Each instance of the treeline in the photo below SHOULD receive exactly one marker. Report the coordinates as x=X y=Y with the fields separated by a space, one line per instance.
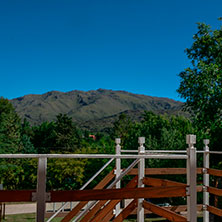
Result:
x=63 y=136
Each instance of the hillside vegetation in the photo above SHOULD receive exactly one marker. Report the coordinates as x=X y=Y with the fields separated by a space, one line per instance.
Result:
x=93 y=110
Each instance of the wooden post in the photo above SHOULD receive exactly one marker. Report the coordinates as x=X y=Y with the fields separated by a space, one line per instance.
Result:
x=41 y=189
x=206 y=164
x=141 y=173
x=118 y=172
x=191 y=179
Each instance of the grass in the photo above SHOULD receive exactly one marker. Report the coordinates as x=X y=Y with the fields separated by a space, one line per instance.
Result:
x=25 y=218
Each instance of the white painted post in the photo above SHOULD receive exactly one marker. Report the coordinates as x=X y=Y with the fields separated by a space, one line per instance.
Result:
x=41 y=189
x=191 y=179
x=141 y=173
x=54 y=207
x=206 y=165
x=118 y=172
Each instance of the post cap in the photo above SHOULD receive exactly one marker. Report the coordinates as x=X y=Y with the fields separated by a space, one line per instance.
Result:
x=141 y=140
x=206 y=142
x=191 y=139
x=118 y=140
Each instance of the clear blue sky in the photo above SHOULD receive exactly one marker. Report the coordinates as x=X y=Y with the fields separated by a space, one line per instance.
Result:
x=132 y=45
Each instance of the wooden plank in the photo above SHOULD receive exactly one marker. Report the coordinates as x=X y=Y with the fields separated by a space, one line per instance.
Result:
x=93 y=211
x=105 y=211
x=214 y=210
x=170 y=215
x=164 y=171
x=110 y=206
x=155 y=182
x=126 y=212
x=115 y=194
x=16 y=195
x=108 y=217
x=178 y=209
x=80 y=205
x=215 y=191
x=98 y=206
x=215 y=172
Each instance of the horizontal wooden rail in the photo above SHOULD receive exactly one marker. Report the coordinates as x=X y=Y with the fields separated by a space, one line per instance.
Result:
x=214 y=210
x=164 y=171
x=116 y=194
x=155 y=182
x=215 y=191
x=163 y=212
x=215 y=172
x=88 y=195
x=16 y=195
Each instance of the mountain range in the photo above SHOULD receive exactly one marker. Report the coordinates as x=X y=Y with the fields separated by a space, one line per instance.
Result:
x=94 y=109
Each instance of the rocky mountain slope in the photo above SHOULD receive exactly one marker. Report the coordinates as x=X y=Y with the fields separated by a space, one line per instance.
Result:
x=90 y=107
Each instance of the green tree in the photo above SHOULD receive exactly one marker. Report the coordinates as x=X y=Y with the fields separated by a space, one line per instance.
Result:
x=67 y=136
x=201 y=83
x=10 y=128
x=43 y=137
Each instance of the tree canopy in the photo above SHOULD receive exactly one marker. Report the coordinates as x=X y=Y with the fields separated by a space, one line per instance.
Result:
x=201 y=83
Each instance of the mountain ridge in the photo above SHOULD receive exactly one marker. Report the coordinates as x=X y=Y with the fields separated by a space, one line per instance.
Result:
x=90 y=105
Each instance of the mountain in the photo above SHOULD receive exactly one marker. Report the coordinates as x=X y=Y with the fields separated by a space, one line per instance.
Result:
x=93 y=107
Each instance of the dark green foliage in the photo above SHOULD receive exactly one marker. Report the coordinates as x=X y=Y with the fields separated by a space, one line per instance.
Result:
x=201 y=83
x=62 y=136
x=67 y=137
x=10 y=128
x=65 y=174
x=44 y=137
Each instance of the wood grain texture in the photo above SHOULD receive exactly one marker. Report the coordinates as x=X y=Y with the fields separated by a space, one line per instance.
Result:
x=214 y=210
x=214 y=172
x=126 y=212
x=215 y=191
x=155 y=182
x=16 y=195
x=163 y=212
x=104 y=214
x=116 y=194
x=164 y=171
x=80 y=205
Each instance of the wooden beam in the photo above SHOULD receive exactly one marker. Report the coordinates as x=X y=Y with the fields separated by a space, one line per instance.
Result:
x=180 y=208
x=105 y=212
x=214 y=210
x=99 y=194
x=93 y=211
x=215 y=191
x=126 y=212
x=164 y=171
x=97 y=207
x=108 y=217
x=170 y=215
x=155 y=182
x=116 y=194
x=16 y=195
x=214 y=172
x=80 y=205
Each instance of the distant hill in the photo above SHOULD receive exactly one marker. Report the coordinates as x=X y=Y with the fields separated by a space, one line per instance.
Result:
x=91 y=109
